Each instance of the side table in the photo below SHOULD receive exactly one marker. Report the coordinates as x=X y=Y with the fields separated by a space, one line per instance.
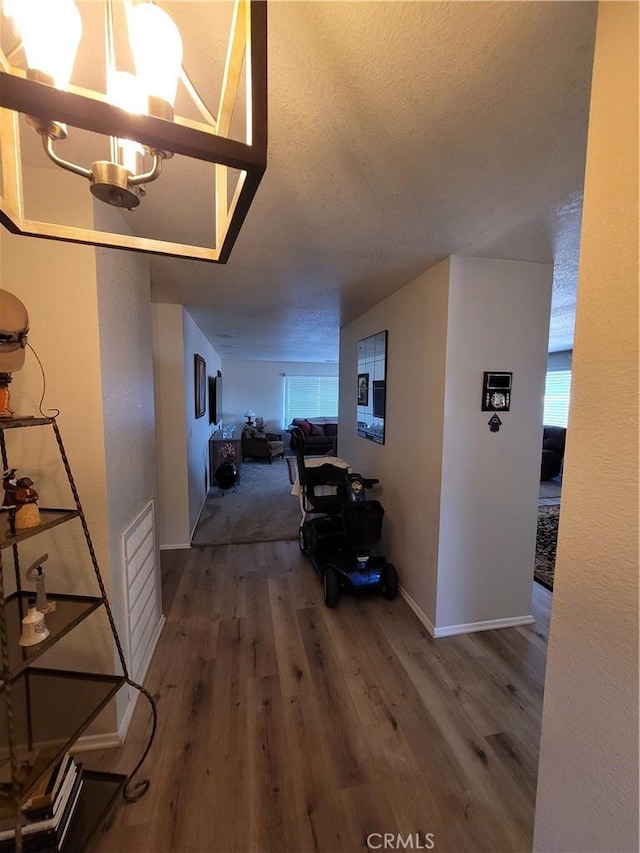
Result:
x=216 y=443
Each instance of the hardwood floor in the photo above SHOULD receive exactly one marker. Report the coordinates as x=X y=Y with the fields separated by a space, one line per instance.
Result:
x=288 y=727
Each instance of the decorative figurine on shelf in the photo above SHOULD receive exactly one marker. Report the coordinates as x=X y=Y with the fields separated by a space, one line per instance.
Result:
x=27 y=513
x=5 y=397
x=10 y=487
x=35 y=574
x=14 y=327
x=34 y=630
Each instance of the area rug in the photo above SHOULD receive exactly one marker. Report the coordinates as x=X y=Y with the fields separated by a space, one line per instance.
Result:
x=546 y=543
x=261 y=510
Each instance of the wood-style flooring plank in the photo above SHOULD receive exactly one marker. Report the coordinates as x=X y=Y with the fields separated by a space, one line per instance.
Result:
x=343 y=735
x=449 y=756
x=318 y=811
x=269 y=784
x=285 y=727
x=293 y=666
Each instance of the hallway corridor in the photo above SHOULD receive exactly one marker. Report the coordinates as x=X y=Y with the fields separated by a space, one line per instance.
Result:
x=288 y=727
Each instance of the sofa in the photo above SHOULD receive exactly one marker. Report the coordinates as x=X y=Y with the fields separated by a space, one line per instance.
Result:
x=553 y=441
x=318 y=436
x=261 y=445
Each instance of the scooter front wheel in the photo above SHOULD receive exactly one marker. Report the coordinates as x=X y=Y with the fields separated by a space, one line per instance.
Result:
x=389 y=582
x=331 y=586
x=302 y=540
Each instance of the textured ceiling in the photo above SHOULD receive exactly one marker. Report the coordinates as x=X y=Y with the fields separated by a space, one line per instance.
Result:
x=399 y=133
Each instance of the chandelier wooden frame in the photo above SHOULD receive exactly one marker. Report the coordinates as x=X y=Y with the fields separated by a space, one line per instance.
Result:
x=197 y=140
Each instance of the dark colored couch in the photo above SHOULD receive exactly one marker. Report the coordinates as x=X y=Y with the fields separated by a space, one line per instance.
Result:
x=553 y=440
x=316 y=438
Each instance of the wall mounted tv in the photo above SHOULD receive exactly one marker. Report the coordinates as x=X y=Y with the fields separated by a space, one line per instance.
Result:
x=379 y=397
x=215 y=398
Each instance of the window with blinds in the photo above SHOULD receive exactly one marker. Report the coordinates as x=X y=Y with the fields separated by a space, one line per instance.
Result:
x=557 y=393
x=310 y=397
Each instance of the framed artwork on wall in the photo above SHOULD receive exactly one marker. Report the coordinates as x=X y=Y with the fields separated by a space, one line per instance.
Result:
x=372 y=386
x=200 y=372
x=363 y=389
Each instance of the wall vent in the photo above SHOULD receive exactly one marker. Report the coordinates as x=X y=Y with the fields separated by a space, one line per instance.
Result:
x=139 y=550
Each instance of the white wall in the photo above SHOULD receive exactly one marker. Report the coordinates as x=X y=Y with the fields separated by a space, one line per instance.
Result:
x=182 y=438
x=57 y=283
x=124 y=321
x=588 y=775
x=460 y=501
x=259 y=385
x=171 y=429
x=198 y=429
x=498 y=320
x=409 y=463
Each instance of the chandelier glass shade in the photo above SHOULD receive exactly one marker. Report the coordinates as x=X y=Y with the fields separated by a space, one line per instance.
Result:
x=135 y=111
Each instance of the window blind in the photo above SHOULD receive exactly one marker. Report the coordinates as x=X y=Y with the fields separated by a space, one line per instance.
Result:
x=310 y=397
x=557 y=393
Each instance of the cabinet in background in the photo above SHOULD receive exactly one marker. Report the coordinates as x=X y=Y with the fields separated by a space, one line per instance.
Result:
x=216 y=443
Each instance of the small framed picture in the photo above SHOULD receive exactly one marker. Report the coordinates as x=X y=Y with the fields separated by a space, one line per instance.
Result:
x=363 y=389
x=200 y=371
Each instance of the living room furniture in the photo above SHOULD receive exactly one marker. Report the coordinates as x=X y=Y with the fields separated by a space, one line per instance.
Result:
x=217 y=445
x=553 y=441
x=316 y=438
x=258 y=445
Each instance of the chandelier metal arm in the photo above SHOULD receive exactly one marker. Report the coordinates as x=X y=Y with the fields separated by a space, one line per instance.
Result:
x=197 y=100
x=33 y=98
x=47 y=144
x=151 y=175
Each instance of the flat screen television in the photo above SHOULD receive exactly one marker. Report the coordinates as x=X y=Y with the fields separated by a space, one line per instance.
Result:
x=215 y=399
x=379 y=398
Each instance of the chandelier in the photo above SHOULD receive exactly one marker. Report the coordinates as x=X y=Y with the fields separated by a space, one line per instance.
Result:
x=135 y=111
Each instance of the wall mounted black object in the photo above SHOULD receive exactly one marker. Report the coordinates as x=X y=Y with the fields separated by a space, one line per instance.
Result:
x=496 y=391
x=494 y=423
x=215 y=398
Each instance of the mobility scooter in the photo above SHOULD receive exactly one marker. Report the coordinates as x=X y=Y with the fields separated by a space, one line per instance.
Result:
x=339 y=530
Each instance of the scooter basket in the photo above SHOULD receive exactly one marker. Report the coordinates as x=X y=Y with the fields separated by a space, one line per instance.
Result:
x=362 y=523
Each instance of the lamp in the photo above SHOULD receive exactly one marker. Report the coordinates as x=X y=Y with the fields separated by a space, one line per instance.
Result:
x=136 y=111
x=249 y=415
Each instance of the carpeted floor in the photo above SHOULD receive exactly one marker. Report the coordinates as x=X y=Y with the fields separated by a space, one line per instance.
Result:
x=262 y=510
x=550 y=492
x=546 y=543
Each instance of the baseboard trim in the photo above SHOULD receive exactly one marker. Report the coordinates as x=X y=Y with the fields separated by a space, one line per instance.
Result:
x=85 y=743
x=184 y=546
x=489 y=625
x=91 y=743
x=466 y=628
x=195 y=524
x=422 y=616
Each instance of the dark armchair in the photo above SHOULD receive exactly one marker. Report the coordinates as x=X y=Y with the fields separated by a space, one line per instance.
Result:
x=553 y=439
x=256 y=445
